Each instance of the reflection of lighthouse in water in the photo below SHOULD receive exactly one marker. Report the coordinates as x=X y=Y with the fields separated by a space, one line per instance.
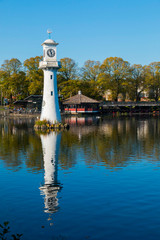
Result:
x=50 y=146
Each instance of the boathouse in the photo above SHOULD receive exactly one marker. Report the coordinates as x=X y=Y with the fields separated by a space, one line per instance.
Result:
x=30 y=102
x=80 y=104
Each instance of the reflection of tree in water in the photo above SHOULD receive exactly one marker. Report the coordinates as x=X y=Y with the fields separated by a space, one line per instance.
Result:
x=116 y=142
x=68 y=149
x=18 y=142
x=81 y=128
x=113 y=142
x=148 y=134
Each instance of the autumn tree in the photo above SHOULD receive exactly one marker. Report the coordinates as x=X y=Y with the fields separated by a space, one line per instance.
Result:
x=154 y=80
x=4 y=83
x=71 y=88
x=34 y=75
x=115 y=72
x=67 y=77
x=136 y=83
x=19 y=84
x=68 y=70
x=89 y=75
x=12 y=79
x=90 y=71
x=91 y=89
x=11 y=66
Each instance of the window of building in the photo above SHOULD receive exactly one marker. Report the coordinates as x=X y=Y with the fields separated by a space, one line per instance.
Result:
x=50 y=76
x=51 y=93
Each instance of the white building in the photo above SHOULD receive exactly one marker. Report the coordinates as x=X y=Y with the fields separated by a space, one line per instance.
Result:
x=50 y=65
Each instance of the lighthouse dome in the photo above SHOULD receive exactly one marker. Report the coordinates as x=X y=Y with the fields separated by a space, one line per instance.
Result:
x=50 y=42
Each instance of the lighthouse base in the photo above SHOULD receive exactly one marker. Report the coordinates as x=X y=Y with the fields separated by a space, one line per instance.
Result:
x=45 y=125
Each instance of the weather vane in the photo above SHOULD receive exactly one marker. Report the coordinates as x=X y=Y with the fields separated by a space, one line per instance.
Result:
x=49 y=33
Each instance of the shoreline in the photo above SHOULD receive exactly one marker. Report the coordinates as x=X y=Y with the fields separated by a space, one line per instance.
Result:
x=5 y=114
x=27 y=115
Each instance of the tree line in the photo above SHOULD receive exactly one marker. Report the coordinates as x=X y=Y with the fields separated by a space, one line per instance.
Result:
x=114 y=76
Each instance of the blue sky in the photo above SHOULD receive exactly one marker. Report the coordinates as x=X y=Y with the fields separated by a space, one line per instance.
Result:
x=85 y=29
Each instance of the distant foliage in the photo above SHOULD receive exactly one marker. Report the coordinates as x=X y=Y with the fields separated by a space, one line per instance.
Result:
x=94 y=79
x=34 y=75
x=5 y=233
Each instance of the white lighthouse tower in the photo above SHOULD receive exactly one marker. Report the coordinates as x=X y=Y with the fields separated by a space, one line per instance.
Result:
x=50 y=65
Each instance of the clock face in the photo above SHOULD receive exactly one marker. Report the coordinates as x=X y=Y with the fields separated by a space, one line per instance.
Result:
x=50 y=52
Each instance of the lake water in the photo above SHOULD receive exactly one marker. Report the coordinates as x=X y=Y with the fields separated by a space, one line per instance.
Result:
x=99 y=180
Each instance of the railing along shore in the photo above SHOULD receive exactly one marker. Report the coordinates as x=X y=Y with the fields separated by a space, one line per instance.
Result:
x=132 y=104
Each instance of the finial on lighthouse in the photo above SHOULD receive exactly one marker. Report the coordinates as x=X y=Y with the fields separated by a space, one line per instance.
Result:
x=49 y=33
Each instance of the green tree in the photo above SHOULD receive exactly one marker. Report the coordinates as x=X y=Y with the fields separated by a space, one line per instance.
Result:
x=70 y=88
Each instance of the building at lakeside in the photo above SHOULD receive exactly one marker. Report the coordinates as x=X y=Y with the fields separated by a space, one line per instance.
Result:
x=32 y=102
x=80 y=104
